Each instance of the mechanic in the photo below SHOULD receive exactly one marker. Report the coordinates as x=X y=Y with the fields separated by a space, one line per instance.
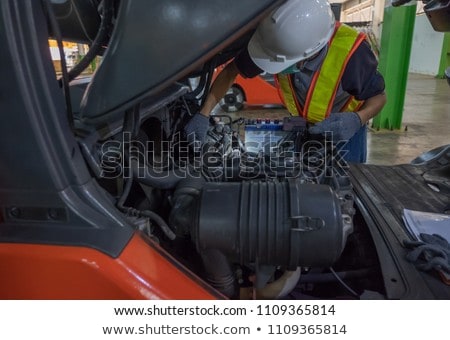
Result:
x=326 y=72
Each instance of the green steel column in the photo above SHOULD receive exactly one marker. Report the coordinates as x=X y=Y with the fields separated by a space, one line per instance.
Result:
x=445 y=56
x=395 y=50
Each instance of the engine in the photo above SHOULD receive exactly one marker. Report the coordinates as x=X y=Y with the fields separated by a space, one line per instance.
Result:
x=251 y=210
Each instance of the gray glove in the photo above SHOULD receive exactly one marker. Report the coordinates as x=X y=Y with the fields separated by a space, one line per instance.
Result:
x=431 y=253
x=343 y=125
x=197 y=128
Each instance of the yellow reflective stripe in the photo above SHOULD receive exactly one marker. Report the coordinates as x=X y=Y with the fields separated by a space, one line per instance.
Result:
x=287 y=93
x=353 y=105
x=330 y=73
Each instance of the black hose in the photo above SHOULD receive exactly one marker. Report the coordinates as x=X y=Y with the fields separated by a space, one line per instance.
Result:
x=218 y=272
x=97 y=45
x=125 y=193
x=160 y=222
x=131 y=125
x=147 y=213
x=346 y=286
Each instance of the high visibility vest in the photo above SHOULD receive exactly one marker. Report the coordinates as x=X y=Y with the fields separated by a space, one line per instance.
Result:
x=325 y=81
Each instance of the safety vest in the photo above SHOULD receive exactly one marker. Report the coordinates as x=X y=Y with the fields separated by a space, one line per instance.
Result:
x=325 y=81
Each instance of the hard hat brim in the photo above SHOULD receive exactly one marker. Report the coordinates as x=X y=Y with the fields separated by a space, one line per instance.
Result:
x=263 y=60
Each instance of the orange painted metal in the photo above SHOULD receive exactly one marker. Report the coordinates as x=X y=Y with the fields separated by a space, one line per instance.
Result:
x=258 y=91
x=142 y=271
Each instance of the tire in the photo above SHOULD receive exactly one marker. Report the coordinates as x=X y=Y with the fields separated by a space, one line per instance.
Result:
x=233 y=100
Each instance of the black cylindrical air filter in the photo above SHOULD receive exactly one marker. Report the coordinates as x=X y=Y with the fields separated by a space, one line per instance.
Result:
x=286 y=223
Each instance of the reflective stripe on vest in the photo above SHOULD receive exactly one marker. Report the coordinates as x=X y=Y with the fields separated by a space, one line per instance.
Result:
x=287 y=94
x=352 y=105
x=325 y=82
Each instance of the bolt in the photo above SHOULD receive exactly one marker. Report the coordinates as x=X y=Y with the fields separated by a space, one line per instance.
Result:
x=348 y=197
x=52 y=213
x=14 y=212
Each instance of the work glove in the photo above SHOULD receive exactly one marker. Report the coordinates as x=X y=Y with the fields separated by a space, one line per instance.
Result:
x=196 y=128
x=343 y=125
x=432 y=252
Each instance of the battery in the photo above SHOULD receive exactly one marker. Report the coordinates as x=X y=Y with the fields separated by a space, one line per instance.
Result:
x=263 y=135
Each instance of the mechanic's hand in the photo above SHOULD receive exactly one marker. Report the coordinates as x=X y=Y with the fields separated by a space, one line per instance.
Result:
x=197 y=128
x=343 y=125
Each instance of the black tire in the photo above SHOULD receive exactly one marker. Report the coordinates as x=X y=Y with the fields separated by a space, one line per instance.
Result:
x=233 y=100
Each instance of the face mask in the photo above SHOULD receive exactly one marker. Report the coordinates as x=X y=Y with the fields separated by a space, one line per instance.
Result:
x=291 y=69
x=295 y=68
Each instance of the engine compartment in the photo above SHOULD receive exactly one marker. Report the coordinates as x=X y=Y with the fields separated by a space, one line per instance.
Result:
x=267 y=218
x=268 y=213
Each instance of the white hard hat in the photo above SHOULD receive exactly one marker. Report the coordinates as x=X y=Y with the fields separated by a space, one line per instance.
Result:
x=295 y=31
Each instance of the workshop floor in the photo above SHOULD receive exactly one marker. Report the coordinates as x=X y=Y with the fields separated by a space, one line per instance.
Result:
x=426 y=122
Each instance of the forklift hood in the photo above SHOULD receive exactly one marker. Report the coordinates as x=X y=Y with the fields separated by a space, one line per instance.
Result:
x=155 y=43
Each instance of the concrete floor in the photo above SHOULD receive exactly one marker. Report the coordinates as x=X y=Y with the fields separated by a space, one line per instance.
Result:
x=426 y=122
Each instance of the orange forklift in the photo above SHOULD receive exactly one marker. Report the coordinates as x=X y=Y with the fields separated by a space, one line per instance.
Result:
x=102 y=197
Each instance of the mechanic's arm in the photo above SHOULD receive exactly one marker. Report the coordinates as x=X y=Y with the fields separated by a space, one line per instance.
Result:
x=371 y=107
x=198 y=125
x=220 y=87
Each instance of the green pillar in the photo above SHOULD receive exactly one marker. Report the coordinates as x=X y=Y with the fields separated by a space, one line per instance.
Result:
x=395 y=50
x=445 y=56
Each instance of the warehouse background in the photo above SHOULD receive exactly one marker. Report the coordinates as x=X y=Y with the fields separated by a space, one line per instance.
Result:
x=430 y=49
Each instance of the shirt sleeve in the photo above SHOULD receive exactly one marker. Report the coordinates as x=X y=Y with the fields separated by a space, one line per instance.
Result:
x=245 y=65
x=361 y=77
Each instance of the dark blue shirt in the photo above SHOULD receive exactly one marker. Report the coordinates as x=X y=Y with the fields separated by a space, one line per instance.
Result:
x=360 y=78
